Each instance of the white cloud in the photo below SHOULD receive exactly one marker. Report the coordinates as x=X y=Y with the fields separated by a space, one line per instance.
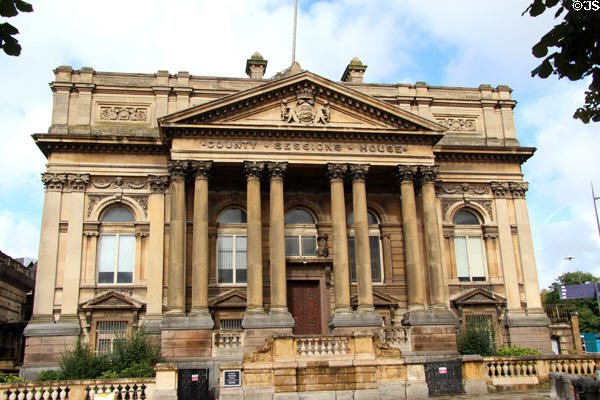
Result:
x=18 y=238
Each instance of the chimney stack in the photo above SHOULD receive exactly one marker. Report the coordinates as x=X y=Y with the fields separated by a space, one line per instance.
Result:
x=354 y=71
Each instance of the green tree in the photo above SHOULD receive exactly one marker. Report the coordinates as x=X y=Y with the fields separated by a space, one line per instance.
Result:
x=574 y=45
x=10 y=8
x=589 y=318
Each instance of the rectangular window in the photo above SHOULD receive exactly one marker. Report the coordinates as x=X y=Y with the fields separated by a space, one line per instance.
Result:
x=375 y=250
x=116 y=258
x=231 y=259
x=470 y=260
x=106 y=334
x=230 y=324
x=296 y=246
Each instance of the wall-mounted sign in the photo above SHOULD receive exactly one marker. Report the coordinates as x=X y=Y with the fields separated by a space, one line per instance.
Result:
x=232 y=377
x=194 y=377
x=443 y=370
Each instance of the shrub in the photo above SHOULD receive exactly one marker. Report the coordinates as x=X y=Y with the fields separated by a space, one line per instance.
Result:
x=474 y=340
x=132 y=356
x=11 y=378
x=49 y=375
x=509 y=351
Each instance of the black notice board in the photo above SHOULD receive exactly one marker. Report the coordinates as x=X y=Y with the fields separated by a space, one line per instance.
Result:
x=232 y=377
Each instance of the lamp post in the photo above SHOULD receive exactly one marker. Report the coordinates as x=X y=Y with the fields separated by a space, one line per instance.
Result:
x=595 y=208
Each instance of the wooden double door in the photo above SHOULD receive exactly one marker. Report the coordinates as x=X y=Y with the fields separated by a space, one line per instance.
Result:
x=304 y=302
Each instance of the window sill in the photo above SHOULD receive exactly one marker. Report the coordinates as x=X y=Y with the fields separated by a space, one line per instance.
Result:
x=307 y=259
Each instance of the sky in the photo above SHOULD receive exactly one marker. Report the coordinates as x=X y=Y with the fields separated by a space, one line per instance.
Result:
x=453 y=43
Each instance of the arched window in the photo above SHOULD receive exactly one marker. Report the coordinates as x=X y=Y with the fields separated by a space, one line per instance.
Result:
x=116 y=246
x=231 y=246
x=374 y=245
x=300 y=234
x=468 y=247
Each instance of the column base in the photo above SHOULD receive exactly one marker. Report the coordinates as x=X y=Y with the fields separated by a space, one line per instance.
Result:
x=37 y=329
x=355 y=319
x=430 y=317
x=262 y=320
x=182 y=322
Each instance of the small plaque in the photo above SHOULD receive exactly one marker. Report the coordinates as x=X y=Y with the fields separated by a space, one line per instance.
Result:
x=232 y=377
x=194 y=377
x=443 y=370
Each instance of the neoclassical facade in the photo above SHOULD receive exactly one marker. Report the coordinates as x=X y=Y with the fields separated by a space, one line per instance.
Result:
x=218 y=212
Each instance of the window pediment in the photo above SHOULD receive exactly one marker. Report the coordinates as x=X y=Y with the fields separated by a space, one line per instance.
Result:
x=111 y=300
x=478 y=296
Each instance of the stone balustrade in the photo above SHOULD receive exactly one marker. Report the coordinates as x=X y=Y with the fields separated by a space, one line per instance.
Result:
x=575 y=366
x=124 y=389
x=510 y=368
x=227 y=339
x=323 y=346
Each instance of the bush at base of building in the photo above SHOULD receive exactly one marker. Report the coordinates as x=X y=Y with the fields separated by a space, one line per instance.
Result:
x=475 y=341
x=131 y=357
x=11 y=378
x=510 y=351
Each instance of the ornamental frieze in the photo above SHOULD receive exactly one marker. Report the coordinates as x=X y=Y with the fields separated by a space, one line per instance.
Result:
x=463 y=188
x=120 y=183
x=458 y=124
x=123 y=113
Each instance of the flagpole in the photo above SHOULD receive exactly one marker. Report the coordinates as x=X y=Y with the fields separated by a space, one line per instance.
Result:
x=295 y=22
x=595 y=207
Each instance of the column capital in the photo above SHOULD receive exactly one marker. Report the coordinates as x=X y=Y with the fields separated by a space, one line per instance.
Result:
x=358 y=172
x=201 y=169
x=78 y=182
x=277 y=170
x=254 y=169
x=177 y=168
x=54 y=182
x=429 y=173
x=158 y=183
x=406 y=173
x=499 y=189
x=336 y=172
x=518 y=189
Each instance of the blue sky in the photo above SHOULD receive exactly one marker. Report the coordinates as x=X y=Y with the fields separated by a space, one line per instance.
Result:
x=464 y=43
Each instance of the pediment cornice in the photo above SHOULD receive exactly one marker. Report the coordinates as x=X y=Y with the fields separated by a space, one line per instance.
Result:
x=304 y=102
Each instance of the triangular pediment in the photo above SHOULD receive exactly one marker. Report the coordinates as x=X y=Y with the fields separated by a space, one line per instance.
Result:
x=303 y=101
x=232 y=299
x=379 y=299
x=111 y=300
x=478 y=296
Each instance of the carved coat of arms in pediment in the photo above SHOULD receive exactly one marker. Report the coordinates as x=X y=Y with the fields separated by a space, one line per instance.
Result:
x=305 y=110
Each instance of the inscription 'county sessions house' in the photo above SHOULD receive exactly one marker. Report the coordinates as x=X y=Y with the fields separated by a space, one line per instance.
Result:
x=331 y=147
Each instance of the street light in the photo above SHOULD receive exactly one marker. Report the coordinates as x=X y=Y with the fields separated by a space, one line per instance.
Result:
x=595 y=207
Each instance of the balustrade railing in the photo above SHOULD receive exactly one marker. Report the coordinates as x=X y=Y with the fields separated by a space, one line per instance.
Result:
x=510 y=368
x=323 y=346
x=124 y=389
x=227 y=340
x=575 y=366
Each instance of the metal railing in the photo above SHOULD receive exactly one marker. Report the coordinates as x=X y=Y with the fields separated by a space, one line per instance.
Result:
x=559 y=313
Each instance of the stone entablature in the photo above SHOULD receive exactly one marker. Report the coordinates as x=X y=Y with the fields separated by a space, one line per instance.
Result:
x=469 y=113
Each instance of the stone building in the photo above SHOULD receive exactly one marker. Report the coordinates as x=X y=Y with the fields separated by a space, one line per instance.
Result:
x=199 y=206
x=16 y=301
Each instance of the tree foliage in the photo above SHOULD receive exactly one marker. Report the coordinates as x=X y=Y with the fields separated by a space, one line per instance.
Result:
x=589 y=318
x=10 y=8
x=571 y=48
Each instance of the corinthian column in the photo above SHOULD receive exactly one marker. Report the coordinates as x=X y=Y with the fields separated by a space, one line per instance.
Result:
x=254 y=308
x=412 y=258
x=358 y=174
x=76 y=183
x=43 y=306
x=280 y=315
x=200 y=253
x=432 y=238
x=176 y=270
x=530 y=276
x=341 y=273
